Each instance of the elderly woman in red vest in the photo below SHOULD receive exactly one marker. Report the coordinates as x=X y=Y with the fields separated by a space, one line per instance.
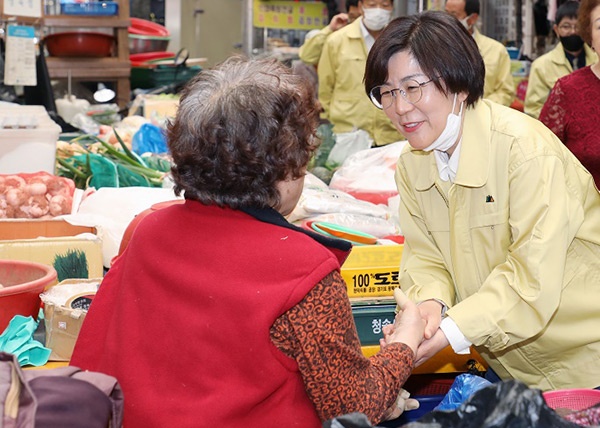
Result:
x=221 y=313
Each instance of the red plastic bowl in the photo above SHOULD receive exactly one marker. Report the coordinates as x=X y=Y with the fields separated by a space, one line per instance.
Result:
x=572 y=399
x=150 y=56
x=79 y=44
x=143 y=27
x=22 y=282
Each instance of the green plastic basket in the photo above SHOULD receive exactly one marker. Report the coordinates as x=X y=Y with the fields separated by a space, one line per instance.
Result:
x=161 y=75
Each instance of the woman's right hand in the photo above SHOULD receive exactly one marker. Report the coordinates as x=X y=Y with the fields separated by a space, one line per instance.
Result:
x=409 y=326
x=431 y=311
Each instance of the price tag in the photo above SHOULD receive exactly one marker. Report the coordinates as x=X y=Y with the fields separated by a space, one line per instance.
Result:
x=31 y=8
x=19 y=66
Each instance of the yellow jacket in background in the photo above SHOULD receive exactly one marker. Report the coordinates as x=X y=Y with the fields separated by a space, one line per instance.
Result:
x=512 y=247
x=544 y=73
x=499 y=85
x=311 y=49
x=341 y=90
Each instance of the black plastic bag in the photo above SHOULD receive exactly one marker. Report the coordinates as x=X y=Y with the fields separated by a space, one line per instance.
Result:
x=509 y=404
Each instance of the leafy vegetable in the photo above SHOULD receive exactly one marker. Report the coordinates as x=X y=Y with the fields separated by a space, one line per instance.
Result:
x=102 y=165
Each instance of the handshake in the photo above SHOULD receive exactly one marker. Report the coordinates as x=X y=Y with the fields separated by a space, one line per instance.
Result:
x=418 y=328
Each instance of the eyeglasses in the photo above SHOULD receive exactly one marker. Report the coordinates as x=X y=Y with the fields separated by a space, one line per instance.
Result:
x=371 y=4
x=384 y=97
x=568 y=27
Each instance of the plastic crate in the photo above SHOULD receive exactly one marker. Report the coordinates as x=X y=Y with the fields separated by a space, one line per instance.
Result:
x=572 y=399
x=429 y=390
x=372 y=270
x=101 y=8
x=370 y=319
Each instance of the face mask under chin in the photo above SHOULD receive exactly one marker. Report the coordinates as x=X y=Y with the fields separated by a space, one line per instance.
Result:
x=465 y=23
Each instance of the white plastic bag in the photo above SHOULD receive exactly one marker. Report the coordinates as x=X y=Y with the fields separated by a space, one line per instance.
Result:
x=111 y=209
x=369 y=174
x=346 y=144
x=317 y=200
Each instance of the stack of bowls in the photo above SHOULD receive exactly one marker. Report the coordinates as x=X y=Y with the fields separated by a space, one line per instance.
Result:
x=147 y=36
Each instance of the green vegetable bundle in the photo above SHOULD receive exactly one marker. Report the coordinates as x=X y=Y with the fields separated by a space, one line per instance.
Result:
x=110 y=167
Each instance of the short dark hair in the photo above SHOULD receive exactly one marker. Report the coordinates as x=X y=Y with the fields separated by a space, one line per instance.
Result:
x=350 y=3
x=241 y=128
x=585 y=19
x=566 y=10
x=456 y=62
x=472 y=6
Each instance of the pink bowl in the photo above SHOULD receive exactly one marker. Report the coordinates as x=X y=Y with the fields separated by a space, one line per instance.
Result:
x=22 y=282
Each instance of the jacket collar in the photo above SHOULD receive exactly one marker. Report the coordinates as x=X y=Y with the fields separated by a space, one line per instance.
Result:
x=473 y=165
x=340 y=247
x=354 y=30
x=558 y=55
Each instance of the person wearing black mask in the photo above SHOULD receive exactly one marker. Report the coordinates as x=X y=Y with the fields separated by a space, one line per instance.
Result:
x=570 y=54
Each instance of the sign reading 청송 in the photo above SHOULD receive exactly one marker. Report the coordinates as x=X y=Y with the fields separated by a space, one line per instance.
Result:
x=292 y=15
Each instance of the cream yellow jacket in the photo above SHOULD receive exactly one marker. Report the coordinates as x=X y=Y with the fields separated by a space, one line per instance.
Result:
x=544 y=73
x=311 y=49
x=512 y=247
x=341 y=90
x=499 y=85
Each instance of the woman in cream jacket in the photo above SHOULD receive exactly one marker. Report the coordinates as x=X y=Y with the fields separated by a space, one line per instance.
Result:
x=502 y=222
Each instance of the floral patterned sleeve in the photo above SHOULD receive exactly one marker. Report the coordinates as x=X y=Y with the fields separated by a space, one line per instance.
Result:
x=320 y=334
x=553 y=113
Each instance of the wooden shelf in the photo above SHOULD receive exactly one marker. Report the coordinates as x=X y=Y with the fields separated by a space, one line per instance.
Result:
x=116 y=68
x=91 y=68
x=85 y=21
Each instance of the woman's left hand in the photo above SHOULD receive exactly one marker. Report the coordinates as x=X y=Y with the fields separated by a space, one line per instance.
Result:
x=403 y=402
x=428 y=348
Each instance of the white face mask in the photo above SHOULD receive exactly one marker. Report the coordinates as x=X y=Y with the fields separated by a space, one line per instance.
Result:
x=465 y=23
x=376 y=18
x=451 y=132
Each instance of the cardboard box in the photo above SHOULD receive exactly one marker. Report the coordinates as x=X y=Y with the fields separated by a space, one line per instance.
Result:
x=52 y=242
x=372 y=270
x=63 y=324
x=157 y=108
x=31 y=229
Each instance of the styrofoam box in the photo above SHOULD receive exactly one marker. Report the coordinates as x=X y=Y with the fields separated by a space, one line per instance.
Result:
x=27 y=139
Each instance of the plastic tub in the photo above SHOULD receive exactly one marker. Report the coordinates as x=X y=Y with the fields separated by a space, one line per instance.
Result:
x=22 y=282
x=28 y=139
x=572 y=399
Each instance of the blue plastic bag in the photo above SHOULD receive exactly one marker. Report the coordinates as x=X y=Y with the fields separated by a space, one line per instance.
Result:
x=149 y=139
x=462 y=388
